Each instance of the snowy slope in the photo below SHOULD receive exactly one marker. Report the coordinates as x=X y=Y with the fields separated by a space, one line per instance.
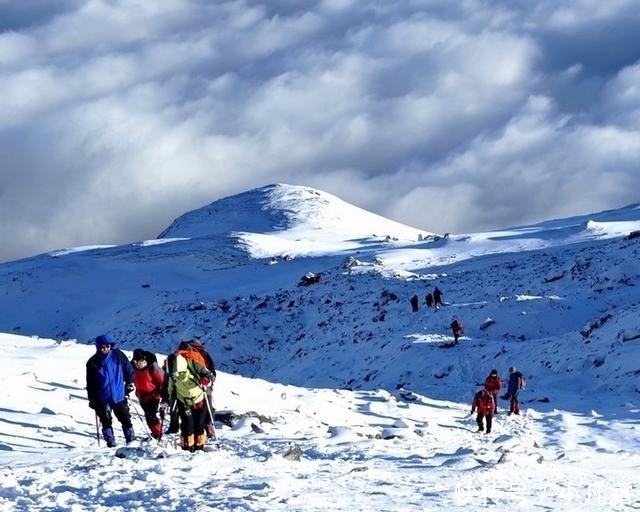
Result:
x=336 y=367
x=301 y=449
x=540 y=285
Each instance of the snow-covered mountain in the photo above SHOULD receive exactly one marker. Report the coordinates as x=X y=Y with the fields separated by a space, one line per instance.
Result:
x=341 y=370
x=292 y=213
x=230 y=272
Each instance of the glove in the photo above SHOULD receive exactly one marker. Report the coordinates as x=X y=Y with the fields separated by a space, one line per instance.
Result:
x=205 y=382
x=92 y=405
x=128 y=389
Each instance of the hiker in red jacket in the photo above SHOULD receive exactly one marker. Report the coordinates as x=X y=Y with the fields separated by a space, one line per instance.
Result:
x=493 y=384
x=484 y=404
x=149 y=380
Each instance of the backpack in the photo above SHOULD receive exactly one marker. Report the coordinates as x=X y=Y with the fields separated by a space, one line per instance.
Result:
x=195 y=351
x=484 y=397
x=193 y=354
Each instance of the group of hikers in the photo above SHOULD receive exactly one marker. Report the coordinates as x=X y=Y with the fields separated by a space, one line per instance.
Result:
x=434 y=300
x=485 y=401
x=181 y=388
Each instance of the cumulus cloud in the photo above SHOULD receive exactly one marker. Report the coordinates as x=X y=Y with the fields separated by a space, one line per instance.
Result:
x=116 y=117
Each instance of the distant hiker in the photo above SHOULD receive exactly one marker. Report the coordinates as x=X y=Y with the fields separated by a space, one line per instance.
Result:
x=149 y=380
x=516 y=383
x=437 y=298
x=195 y=349
x=109 y=382
x=414 y=303
x=456 y=328
x=484 y=404
x=186 y=383
x=429 y=300
x=493 y=384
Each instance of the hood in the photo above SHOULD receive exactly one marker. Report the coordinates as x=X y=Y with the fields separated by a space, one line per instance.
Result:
x=104 y=339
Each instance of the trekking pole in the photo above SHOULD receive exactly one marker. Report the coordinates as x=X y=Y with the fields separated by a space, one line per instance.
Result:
x=211 y=413
x=97 y=428
x=142 y=420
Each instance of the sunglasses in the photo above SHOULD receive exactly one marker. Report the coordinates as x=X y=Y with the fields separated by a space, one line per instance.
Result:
x=105 y=347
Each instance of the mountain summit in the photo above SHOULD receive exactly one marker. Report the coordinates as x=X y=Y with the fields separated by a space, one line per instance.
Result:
x=296 y=214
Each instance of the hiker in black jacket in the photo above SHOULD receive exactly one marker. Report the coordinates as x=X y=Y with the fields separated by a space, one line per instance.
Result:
x=437 y=298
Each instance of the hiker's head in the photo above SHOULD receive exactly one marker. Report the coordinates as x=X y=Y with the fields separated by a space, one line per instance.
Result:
x=139 y=358
x=104 y=343
x=176 y=365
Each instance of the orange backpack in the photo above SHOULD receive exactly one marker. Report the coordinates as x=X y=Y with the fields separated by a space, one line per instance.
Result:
x=193 y=354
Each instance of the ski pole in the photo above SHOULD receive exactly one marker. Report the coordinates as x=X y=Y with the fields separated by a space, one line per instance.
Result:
x=211 y=414
x=97 y=428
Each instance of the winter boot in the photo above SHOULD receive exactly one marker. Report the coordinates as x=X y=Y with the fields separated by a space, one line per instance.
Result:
x=188 y=442
x=109 y=437
x=200 y=441
x=129 y=434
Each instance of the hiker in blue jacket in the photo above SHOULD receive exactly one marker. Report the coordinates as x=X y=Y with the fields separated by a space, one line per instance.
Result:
x=109 y=382
x=516 y=383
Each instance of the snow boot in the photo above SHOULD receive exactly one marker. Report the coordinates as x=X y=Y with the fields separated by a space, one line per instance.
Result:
x=188 y=442
x=200 y=441
x=129 y=434
x=109 y=437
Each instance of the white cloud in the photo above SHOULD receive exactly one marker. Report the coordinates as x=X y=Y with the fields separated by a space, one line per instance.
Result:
x=184 y=102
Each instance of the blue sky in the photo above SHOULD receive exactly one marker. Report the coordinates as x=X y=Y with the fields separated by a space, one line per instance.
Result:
x=118 y=116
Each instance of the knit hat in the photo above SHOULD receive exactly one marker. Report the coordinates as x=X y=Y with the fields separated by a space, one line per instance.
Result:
x=494 y=372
